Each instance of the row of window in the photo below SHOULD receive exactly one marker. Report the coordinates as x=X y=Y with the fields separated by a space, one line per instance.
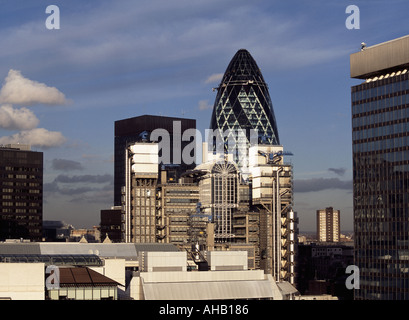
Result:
x=178 y=219
x=12 y=190
x=24 y=169
x=388 y=184
x=382 y=90
x=382 y=117
x=389 y=156
x=21 y=197
x=178 y=230
x=382 y=131
x=385 y=144
x=19 y=204
x=382 y=226
x=180 y=200
x=12 y=217
x=381 y=104
x=20 y=184
x=383 y=213
x=177 y=191
x=19 y=176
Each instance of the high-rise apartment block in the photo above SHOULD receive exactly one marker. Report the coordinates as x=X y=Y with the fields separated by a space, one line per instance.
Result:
x=21 y=192
x=380 y=140
x=328 y=225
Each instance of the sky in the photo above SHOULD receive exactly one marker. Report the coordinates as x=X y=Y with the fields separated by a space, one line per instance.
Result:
x=63 y=89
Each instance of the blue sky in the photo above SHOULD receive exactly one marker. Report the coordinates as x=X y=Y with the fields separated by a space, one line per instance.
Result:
x=112 y=60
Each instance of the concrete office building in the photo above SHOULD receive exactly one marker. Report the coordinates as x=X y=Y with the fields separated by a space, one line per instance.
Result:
x=272 y=196
x=139 y=193
x=177 y=205
x=328 y=225
x=380 y=140
x=21 y=193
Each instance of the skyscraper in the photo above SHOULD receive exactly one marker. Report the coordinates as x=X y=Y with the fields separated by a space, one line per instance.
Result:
x=243 y=103
x=328 y=225
x=21 y=192
x=380 y=139
x=242 y=106
x=128 y=131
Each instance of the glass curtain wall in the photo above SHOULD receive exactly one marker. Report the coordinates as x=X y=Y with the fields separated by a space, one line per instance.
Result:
x=380 y=124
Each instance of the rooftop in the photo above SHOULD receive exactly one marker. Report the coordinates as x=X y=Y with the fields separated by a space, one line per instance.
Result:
x=384 y=57
x=128 y=251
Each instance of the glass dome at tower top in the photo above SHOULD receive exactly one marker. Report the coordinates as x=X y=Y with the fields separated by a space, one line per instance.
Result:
x=243 y=100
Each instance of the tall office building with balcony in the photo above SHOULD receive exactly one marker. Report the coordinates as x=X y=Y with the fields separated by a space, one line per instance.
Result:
x=21 y=193
x=380 y=133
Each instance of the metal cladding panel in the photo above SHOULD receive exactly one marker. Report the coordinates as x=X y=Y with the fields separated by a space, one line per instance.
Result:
x=210 y=290
x=20 y=248
x=101 y=249
x=384 y=56
x=145 y=158
x=145 y=168
x=145 y=148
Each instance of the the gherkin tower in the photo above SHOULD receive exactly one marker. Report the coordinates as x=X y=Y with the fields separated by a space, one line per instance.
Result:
x=243 y=102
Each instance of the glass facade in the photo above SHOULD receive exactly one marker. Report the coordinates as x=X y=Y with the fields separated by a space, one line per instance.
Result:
x=21 y=193
x=129 y=131
x=219 y=196
x=243 y=103
x=380 y=133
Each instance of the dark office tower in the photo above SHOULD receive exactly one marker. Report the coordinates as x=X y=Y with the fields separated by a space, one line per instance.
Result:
x=243 y=102
x=21 y=192
x=139 y=129
x=110 y=225
x=380 y=133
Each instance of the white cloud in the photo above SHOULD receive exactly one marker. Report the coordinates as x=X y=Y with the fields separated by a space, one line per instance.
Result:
x=17 y=119
x=215 y=77
x=204 y=105
x=38 y=137
x=22 y=91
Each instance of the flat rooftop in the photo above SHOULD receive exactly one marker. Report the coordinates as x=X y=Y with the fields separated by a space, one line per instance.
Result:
x=128 y=251
x=378 y=59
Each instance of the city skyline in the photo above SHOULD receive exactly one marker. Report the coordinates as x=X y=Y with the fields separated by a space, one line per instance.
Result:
x=112 y=61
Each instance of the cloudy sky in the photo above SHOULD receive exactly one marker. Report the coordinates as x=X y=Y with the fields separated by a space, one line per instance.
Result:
x=62 y=89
